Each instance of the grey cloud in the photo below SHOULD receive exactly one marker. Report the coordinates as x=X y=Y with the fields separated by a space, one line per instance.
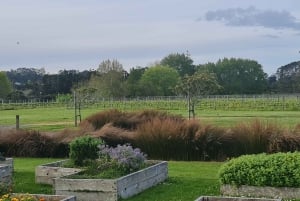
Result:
x=252 y=16
x=270 y=36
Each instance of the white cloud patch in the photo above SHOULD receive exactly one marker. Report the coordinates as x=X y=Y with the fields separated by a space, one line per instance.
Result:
x=252 y=16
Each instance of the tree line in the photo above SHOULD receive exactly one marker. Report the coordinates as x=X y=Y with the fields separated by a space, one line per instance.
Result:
x=175 y=74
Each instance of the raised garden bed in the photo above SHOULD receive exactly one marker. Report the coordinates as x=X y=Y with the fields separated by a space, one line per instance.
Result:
x=44 y=174
x=112 y=189
x=219 y=198
x=256 y=191
x=5 y=175
x=9 y=162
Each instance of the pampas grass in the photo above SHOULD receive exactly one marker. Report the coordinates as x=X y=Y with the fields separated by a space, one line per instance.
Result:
x=158 y=134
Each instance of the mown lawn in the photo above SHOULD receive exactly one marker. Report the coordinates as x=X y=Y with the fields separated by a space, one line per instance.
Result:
x=187 y=180
x=58 y=118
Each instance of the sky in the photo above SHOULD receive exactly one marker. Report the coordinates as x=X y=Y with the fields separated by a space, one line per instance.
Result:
x=79 y=34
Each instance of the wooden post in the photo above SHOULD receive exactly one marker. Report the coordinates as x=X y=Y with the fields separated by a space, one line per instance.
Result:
x=75 y=107
x=17 y=122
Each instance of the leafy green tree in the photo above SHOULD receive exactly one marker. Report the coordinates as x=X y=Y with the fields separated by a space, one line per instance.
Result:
x=194 y=86
x=289 y=78
x=182 y=63
x=109 y=80
x=16 y=96
x=50 y=85
x=159 y=81
x=289 y=83
x=239 y=76
x=5 y=85
x=132 y=87
x=25 y=78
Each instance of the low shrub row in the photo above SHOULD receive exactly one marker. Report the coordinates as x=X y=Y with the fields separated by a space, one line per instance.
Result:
x=276 y=170
x=160 y=135
x=171 y=137
x=27 y=143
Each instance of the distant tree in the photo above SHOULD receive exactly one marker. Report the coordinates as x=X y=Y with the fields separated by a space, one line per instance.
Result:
x=272 y=84
x=16 y=96
x=50 y=86
x=289 y=83
x=63 y=82
x=109 y=79
x=159 y=81
x=132 y=87
x=5 y=85
x=289 y=78
x=194 y=86
x=108 y=65
x=25 y=78
x=182 y=63
x=239 y=76
x=66 y=80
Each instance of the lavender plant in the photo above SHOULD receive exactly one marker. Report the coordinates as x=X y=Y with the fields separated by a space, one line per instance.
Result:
x=126 y=157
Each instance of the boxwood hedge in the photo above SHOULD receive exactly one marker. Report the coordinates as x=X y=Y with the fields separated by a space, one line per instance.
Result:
x=275 y=170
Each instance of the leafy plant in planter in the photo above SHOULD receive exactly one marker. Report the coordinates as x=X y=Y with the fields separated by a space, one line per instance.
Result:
x=123 y=158
x=114 y=162
x=101 y=161
x=112 y=175
x=83 y=149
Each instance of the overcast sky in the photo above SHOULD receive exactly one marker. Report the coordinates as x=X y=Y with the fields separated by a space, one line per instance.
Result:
x=79 y=34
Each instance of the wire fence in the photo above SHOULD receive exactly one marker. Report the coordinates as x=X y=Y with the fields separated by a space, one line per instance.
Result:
x=287 y=102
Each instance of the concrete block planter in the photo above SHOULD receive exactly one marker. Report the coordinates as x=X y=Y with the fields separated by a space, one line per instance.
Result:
x=256 y=191
x=51 y=197
x=44 y=174
x=5 y=175
x=9 y=162
x=112 y=189
x=216 y=198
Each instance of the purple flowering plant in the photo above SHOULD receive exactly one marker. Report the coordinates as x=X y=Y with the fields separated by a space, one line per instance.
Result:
x=125 y=157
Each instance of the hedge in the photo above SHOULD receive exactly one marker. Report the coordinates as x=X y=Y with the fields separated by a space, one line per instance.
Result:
x=275 y=170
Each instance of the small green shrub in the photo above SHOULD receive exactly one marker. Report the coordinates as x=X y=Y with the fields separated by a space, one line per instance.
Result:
x=276 y=170
x=84 y=148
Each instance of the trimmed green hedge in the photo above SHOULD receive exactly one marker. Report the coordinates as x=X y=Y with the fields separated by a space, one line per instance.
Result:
x=275 y=170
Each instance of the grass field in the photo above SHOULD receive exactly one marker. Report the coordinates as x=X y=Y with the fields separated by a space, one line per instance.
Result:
x=57 y=118
x=187 y=180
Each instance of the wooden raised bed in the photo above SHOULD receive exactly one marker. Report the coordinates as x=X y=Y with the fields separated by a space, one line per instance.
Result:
x=9 y=162
x=112 y=189
x=44 y=174
x=257 y=191
x=220 y=198
x=5 y=175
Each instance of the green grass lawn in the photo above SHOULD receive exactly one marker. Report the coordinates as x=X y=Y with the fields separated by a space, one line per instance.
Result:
x=58 y=118
x=24 y=175
x=187 y=180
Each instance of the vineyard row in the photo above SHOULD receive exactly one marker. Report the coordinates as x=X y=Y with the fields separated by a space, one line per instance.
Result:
x=236 y=103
